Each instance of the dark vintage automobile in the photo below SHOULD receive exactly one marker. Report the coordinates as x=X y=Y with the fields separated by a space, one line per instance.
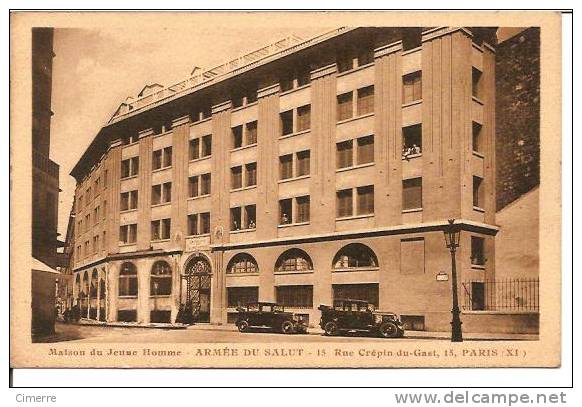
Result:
x=269 y=315
x=347 y=315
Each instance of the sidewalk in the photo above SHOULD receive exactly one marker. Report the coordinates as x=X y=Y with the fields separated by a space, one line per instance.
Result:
x=467 y=336
x=154 y=325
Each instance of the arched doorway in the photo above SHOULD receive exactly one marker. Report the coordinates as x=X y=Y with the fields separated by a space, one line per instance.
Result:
x=195 y=305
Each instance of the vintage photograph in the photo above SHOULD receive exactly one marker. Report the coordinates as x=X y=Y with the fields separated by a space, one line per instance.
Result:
x=361 y=184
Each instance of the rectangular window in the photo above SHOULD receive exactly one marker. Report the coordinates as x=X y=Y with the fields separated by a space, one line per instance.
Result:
x=344 y=154
x=411 y=140
x=157 y=159
x=161 y=229
x=128 y=200
x=304 y=118
x=166 y=228
x=366 y=100
x=295 y=296
x=193 y=186
x=235 y=218
x=365 y=150
x=303 y=210
x=237 y=136
x=411 y=87
x=412 y=256
x=478 y=192
x=241 y=296
x=285 y=211
x=251 y=130
x=156 y=194
x=124 y=201
x=477 y=146
x=286 y=122
x=344 y=203
x=250 y=217
x=192 y=224
x=303 y=163
x=128 y=233
x=365 y=292
x=168 y=156
x=167 y=192
x=412 y=193
x=194 y=149
x=286 y=166
x=125 y=171
x=365 y=200
x=156 y=230
x=344 y=106
x=477 y=83
x=134 y=166
x=236 y=177
x=477 y=251
x=251 y=176
x=133 y=199
x=104 y=210
x=205 y=185
x=205 y=223
x=206 y=146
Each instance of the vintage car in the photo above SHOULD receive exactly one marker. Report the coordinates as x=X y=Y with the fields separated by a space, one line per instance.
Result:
x=348 y=315
x=269 y=315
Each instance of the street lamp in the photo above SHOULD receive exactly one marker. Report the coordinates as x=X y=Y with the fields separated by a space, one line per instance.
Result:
x=452 y=237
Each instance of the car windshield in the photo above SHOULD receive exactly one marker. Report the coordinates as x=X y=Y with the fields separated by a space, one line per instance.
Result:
x=267 y=308
x=278 y=308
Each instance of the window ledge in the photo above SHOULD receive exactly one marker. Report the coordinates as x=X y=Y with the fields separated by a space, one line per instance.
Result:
x=243 y=230
x=412 y=210
x=161 y=296
x=414 y=102
x=477 y=100
x=298 y=133
x=478 y=154
x=128 y=178
x=161 y=204
x=293 y=272
x=355 y=167
x=241 y=274
x=282 y=181
x=356 y=69
x=243 y=188
x=200 y=235
x=195 y=160
x=122 y=244
x=478 y=209
x=411 y=156
x=160 y=240
x=192 y=198
x=352 y=269
x=478 y=266
x=288 y=225
x=128 y=210
x=233 y=150
x=355 y=118
x=126 y=297
x=287 y=92
x=368 y=215
x=161 y=169
x=201 y=121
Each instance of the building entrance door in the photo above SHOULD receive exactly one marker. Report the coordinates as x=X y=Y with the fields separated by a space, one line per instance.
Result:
x=196 y=305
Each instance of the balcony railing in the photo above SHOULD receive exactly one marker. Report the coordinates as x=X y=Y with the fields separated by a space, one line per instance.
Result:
x=509 y=295
x=45 y=164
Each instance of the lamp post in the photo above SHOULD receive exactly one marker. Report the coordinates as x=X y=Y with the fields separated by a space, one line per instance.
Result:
x=452 y=236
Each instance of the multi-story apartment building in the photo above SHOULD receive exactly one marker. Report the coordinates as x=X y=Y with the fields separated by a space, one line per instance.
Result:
x=302 y=172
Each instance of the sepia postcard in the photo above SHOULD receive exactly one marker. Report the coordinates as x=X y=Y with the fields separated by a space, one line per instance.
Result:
x=285 y=189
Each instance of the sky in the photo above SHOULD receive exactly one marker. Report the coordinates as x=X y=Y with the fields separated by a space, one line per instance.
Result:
x=95 y=69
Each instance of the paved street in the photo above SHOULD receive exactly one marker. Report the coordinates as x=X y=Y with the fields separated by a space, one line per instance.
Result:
x=229 y=334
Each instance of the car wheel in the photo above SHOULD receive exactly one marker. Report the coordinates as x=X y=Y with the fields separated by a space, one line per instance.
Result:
x=330 y=329
x=243 y=326
x=388 y=330
x=287 y=327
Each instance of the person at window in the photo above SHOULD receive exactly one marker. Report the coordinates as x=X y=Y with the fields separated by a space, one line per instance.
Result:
x=252 y=224
x=235 y=225
x=284 y=219
x=415 y=149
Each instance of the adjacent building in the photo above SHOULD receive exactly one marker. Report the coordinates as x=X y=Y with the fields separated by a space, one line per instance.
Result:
x=45 y=186
x=305 y=171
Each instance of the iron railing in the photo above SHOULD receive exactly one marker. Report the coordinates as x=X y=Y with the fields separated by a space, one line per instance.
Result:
x=511 y=295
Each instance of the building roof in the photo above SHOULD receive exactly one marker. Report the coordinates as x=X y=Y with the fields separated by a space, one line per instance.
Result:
x=38 y=265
